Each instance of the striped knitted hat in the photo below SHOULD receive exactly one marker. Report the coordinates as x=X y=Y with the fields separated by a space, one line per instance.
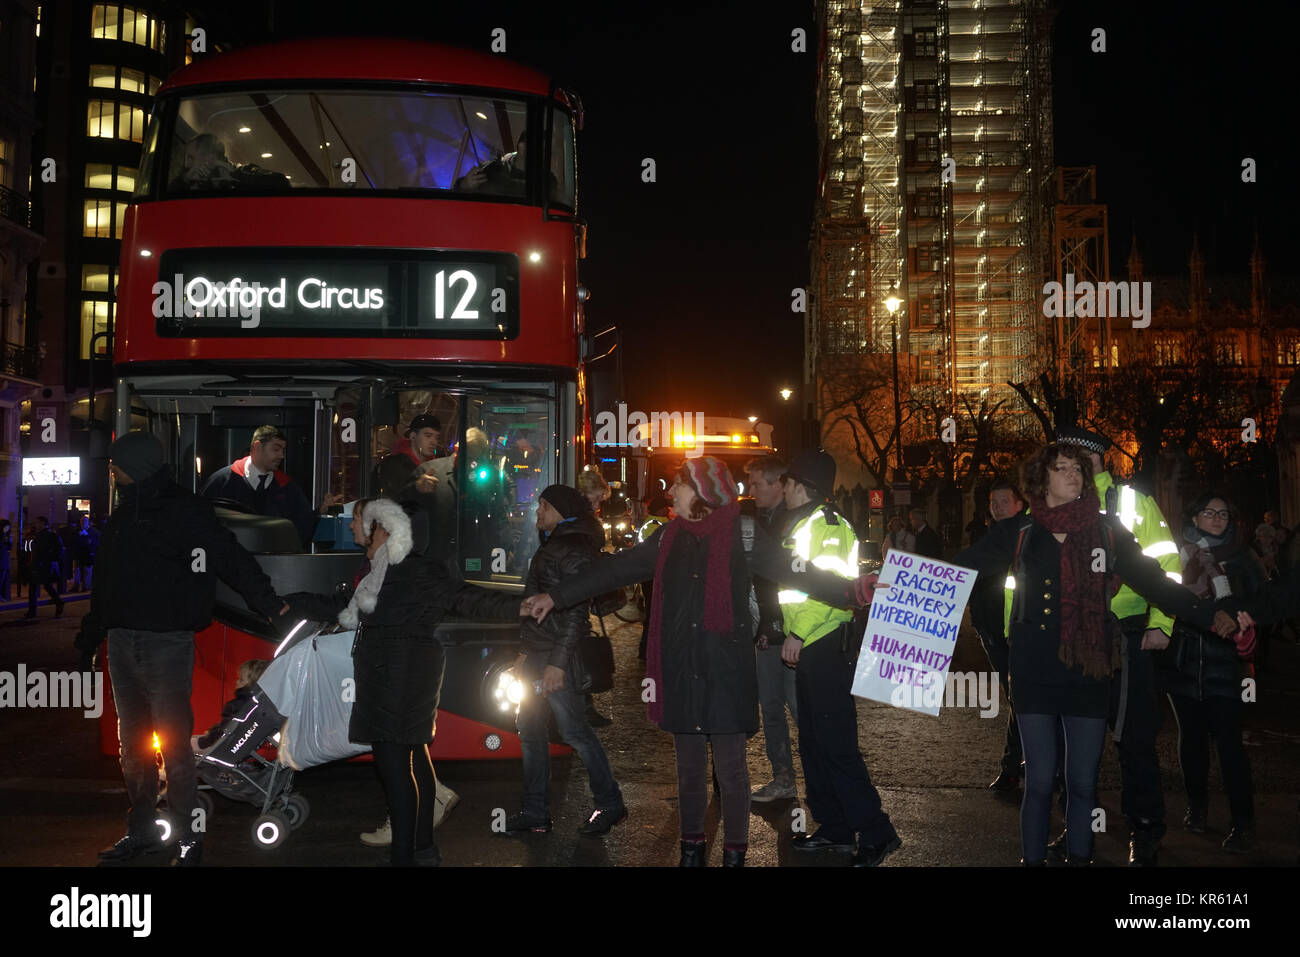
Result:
x=712 y=481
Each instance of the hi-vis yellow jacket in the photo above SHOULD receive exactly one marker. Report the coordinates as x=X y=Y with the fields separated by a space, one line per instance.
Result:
x=824 y=539
x=1141 y=515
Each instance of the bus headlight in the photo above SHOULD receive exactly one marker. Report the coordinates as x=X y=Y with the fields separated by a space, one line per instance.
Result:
x=508 y=692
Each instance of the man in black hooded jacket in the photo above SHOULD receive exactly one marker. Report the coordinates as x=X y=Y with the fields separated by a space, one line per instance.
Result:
x=158 y=559
x=571 y=540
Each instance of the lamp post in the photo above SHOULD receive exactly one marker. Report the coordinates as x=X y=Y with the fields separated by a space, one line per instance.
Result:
x=892 y=302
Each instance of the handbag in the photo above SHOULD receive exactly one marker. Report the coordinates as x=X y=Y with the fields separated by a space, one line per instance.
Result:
x=593 y=663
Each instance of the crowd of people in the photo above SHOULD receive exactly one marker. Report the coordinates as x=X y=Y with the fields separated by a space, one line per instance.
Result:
x=58 y=560
x=1088 y=603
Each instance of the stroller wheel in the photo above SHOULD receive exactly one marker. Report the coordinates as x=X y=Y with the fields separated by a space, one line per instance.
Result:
x=270 y=830
x=163 y=821
x=296 y=810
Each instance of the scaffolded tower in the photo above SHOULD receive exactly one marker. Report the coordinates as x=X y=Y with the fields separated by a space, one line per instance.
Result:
x=934 y=120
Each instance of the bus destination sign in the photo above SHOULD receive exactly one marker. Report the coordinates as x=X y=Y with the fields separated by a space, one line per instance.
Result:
x=337 y=292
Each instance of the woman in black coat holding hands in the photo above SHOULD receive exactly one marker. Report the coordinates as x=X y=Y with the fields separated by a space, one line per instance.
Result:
x=1203 y=672
x=1068 y=559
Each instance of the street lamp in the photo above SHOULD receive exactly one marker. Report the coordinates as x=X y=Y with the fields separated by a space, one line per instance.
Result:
x=786 y=393
x=892 y=302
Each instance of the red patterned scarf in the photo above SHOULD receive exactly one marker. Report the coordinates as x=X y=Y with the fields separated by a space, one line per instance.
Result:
x=718 y=530
x=1086 y=637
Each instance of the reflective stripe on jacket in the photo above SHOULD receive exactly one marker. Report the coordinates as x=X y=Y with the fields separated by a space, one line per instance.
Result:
x=824 y=539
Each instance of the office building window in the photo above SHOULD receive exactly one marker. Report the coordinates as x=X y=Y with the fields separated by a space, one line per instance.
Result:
x=96 y=314
x=101 y=117
x=103 y=219
x=96 y=279
x=107 y=177
x=108 y=77
x=109 y=120
x=110 y=21
x=6 y=162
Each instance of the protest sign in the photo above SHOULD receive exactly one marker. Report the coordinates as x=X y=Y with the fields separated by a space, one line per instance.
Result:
x=912 y=631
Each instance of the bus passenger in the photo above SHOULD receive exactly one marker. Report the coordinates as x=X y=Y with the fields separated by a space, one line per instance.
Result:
x=410 y=467
x=206 y=165
x=257 y=482
x=506 y=175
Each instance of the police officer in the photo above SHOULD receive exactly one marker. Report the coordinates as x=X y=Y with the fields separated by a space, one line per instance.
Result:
x=1134 y=712
x=840 y=793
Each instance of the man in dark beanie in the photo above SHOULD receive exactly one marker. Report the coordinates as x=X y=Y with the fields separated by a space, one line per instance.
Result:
x=571 y=541
x=410 y=467
x=159 y=556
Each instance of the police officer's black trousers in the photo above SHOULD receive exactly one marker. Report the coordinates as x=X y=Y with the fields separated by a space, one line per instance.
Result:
x=841 y=797
x=1141 y=799
x=998 y=650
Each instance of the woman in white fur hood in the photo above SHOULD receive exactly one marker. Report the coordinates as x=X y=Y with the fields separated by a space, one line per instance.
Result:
x=395 y=605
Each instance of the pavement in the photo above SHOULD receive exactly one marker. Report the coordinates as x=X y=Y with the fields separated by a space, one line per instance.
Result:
x=62 y=800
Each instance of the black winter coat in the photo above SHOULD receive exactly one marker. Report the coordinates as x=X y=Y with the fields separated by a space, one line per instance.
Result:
x=47 y=554
x=145 y=575
x=1040 y=682
x=710 y=683
x=1198 y=663
x=568 y=551
x=397 y=662
x=770 y=622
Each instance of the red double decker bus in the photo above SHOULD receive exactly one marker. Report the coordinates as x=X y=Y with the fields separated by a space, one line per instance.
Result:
x=334 y=236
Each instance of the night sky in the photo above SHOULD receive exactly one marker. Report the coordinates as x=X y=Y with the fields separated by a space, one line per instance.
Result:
x=696 y=269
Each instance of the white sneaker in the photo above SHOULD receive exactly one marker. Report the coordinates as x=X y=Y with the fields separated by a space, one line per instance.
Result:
x=381 y=836
x=444 y=800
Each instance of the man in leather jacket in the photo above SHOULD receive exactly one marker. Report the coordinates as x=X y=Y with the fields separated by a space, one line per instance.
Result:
x=571 y=540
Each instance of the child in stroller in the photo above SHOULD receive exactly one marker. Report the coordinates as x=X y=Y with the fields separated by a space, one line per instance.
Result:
x=228 y=761
x=249 y=673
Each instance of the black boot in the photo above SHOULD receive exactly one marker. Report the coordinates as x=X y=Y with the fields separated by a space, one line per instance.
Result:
x=1056 y=850
x=732 y=858
x=692 y=854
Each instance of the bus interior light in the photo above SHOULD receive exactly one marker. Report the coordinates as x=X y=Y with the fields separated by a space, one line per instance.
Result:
x=534 y=256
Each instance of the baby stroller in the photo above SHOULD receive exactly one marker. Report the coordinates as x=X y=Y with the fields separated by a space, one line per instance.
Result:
x=234 y=769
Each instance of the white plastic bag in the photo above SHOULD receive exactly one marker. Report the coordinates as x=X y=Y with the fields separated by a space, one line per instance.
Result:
x=311 y=684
